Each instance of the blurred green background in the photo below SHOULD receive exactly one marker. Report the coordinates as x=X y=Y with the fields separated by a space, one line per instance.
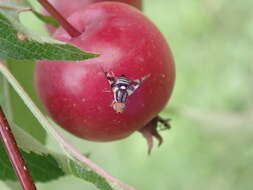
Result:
x=210 y=145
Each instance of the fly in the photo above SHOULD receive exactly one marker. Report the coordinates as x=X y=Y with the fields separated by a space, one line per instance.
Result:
x=122 y=88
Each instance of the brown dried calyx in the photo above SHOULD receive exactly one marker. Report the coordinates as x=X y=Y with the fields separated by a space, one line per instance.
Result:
x=150 y=130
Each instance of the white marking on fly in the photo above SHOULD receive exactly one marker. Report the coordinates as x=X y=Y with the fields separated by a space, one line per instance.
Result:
x=123 y=87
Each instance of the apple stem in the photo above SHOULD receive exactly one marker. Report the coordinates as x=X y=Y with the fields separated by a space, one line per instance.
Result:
x=14 y=154
x=72 y=31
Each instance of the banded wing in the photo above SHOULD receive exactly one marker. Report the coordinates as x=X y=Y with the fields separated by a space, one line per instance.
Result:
x=136 y=84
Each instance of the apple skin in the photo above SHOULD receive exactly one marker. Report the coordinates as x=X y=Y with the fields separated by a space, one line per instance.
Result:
x=66 y=8
x=78 y=96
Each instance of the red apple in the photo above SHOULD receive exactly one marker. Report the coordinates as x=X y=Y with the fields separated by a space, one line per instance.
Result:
x=77 y=94
x=67 y=7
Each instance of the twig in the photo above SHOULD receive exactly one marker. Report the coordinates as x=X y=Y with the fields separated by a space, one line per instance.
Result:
x=48 y=127
x=72 y=31
x=14 y=154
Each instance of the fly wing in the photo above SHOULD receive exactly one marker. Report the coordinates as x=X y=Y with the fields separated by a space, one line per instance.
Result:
x=136 y=84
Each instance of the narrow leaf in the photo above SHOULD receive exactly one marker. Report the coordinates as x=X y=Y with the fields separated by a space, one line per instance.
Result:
x=77 y=169
x=38 y=159
x=43 y=167
x=16 y=45
x=6 y=172
x=46 y=19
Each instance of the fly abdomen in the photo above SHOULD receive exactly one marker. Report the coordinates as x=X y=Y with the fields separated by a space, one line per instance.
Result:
x=121 y=95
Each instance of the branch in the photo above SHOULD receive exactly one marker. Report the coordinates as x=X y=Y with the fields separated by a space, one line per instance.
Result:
x=14 y=154
x=72 y=31
x=51 y=130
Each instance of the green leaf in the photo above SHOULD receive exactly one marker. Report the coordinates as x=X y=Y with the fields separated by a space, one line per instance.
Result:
x=12 y=46
x=23 y=72
x=18 y=43
x=43 y=167
x=40 y=161
x=6 y=172
x=79 y=170
x=46 y=19
x=39 y=166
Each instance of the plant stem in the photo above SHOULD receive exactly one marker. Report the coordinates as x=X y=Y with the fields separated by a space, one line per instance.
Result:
x=15 y=8
x=72 y=31
x=14 y=154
